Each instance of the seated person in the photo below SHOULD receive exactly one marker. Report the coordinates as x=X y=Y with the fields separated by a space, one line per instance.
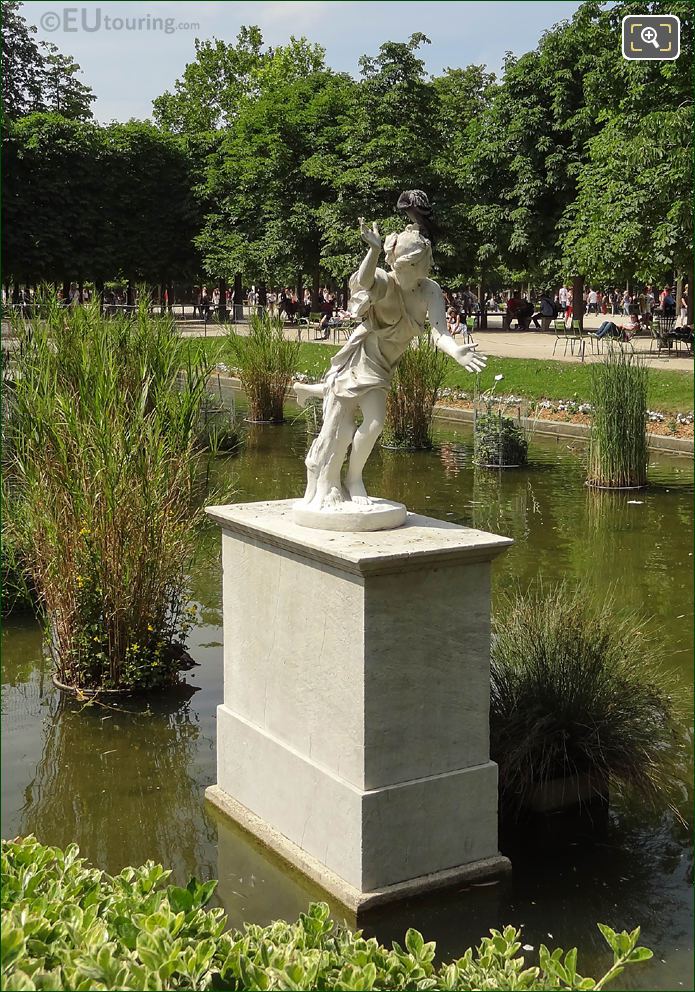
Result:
x=547 y=311
x=524 y=313
x=453 y=321
x=513 y=304
x=667 y=302
x=326 y=307
x=621 y=331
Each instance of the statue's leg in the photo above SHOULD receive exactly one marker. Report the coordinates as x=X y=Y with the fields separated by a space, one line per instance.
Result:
x=327 y=454
x=373 y=406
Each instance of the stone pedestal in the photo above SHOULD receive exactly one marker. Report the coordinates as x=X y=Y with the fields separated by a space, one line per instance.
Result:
x=353 y=738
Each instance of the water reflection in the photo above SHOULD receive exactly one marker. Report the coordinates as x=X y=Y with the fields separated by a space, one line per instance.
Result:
x=123 y=775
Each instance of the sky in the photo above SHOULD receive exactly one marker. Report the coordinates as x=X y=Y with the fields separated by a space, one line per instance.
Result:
x=127 y=67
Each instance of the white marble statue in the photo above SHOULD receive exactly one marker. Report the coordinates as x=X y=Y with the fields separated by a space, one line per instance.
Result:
x=392 y=307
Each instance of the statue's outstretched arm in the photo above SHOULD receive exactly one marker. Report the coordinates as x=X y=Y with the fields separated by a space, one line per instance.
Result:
x=464 y=354
x=367 y=270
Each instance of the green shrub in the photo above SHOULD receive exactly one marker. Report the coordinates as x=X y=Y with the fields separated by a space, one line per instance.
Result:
x=69 y=926
x=618 y=446
x=103 y=491
x=576 y=689
x=267 y=364
x=499 y=441
x=413 y=394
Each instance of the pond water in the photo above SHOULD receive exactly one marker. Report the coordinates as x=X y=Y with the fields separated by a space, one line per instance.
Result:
x=127 y=784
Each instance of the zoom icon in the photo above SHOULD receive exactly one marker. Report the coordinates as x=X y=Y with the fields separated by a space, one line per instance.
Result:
x=651 y=36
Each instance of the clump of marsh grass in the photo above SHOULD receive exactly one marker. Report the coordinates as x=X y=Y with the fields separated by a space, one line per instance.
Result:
x=414 y=390
x=618 y=451
x=498 y=441
x=576 y=690
x=267 y=364
x=104 y=488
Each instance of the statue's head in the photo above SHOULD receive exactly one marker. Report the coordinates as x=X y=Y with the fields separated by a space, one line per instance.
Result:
x=409 y=252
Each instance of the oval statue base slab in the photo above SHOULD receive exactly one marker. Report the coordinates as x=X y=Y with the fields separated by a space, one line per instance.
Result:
x=380 y=514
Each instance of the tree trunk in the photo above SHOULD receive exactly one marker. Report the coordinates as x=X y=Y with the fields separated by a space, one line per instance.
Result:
x=691 y=293
x=481 y=301
x=15 y=292
x=129 y=294
x=299 y=288
x=66 y=290
x=578 y=300
x=99 y=290
x=162 y=293
x=262 y=294
x=222 y=306
x=315 y=290
x=170 y=296
x=346 y=292
x=80 y=291
x=238 y=297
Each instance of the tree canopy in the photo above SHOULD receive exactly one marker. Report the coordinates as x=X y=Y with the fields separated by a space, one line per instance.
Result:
x=261 y=159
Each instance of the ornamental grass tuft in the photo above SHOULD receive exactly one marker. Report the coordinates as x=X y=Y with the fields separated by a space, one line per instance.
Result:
x=414 y=390
x=267 y=364
x=577 y=690
x=103 y=493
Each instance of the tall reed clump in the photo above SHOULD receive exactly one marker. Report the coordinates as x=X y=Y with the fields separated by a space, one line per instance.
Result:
x=267 y=364
x=103 y=470
x=414 y=390
x=576 y=690
x=618 y=452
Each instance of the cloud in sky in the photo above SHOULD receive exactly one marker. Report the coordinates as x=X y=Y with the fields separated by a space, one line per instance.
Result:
x=128 y=68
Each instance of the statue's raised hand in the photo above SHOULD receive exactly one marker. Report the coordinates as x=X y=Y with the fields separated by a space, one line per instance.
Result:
x=370 y=234
x=466 y=356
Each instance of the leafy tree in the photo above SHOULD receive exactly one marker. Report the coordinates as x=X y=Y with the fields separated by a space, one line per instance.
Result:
x=464 y=202
x=63 y=93
x=149 y=195
x=541 y=124
x=21 y=91
x=274 y=169
x=386 y=146
x=207 y=96
x=56 y=222
x=37 y=76
x=632 y=214
x=88 y=202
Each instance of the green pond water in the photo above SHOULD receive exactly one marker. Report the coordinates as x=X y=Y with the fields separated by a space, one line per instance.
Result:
x=127 y=784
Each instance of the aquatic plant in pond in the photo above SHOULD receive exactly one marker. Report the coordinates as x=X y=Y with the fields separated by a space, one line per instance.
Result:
x=618 y=450
x=267 y=364
x=67 y=925
x=410 y=402
x=104 y=492
x=499 y=442
x=219 y=431
x=577 y=693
